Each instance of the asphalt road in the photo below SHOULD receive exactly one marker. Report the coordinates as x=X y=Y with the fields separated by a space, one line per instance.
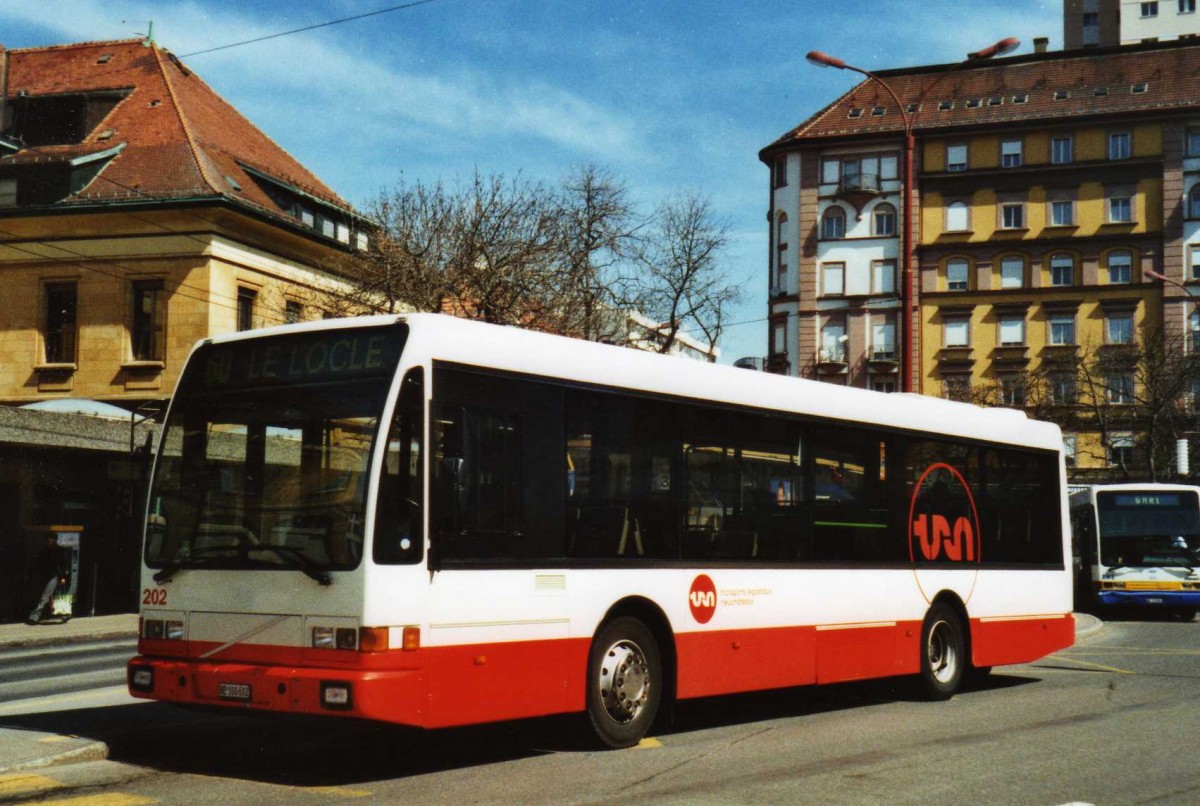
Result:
x=1109 y=721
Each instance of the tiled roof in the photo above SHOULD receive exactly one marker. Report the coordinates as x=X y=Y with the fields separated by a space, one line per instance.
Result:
x=180 y=138
x=1158 y=78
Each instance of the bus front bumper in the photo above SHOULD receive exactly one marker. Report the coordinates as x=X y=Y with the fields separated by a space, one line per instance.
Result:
x=1169 y=598
x=386 y=695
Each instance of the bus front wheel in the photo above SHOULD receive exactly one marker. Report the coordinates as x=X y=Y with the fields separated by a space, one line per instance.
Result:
x=624 y=682
x=943 y=653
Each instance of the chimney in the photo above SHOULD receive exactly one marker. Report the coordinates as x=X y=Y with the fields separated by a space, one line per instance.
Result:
x=1041 y=44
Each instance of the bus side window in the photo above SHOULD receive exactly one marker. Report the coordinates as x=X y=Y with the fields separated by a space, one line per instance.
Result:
x=399 y=532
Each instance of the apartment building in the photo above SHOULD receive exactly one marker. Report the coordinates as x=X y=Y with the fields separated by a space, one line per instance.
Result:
x=1045 y=186
x=1105 y=23
x=139 y=213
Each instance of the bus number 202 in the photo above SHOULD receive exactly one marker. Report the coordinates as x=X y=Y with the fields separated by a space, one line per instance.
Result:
x=154 y=596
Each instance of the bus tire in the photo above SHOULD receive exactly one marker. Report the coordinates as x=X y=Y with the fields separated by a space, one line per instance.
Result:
x=1185 y=613
x=943 y=653
x=624 y=682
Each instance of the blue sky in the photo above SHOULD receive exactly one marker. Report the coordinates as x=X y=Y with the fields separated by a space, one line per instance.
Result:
x=670 y=95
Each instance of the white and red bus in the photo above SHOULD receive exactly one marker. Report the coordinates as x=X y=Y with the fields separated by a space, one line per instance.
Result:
x=1138 y=545
x=435 y=522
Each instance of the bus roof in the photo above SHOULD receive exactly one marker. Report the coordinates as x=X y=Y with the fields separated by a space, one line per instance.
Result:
x=448 y=338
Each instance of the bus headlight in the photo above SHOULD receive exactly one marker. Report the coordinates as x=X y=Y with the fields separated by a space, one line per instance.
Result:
x=141 y=678
x=336 y=695
x=157 y=629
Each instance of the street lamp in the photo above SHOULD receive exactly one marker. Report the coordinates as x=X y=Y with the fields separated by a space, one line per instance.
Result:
x=908 y=302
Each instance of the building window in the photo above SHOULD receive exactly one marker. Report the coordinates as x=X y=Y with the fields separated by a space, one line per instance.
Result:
x=1119 y=146
x=1150 y=9
x=1062 y=270
x=1193 y=204
x=59 y=336
x=1194 y=256
x=885 y=219
x=1062 y=149
x=1119 y=388
x=293 y=312
x=1012 y=391
x=1062 y=213
x=1069 y=450
x=1118 y=328
x=1062 y=388
x=883 y=340
x=831 y=170
x=957 y=219
x=957 y=275
x=1010 y=154
x=1192 y=143
x=1120 y=267
x=1012 y=215
x=1120 y=208
x=833 y=224
x=245 y=308
x=1012 y=272
x=956 y=158
x=957 y=331
x=1120 y=450
x=148 y=327
x=1012 y=330
x=883 y=277
x=833 y=279
x=957 y=387
x=886 y=385
x=779 y=338
x=1062 y=328
x=1187 y=6
x=780 y=172
x=1091 y=19
x=833 y=342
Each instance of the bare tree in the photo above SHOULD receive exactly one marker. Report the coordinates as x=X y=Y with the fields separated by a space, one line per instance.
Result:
x=681 y=282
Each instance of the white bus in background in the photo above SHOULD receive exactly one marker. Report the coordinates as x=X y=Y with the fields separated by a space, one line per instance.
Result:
x=1138 y=545
x=435 y=522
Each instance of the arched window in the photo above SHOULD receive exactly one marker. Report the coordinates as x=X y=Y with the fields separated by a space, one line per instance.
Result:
x=957 y=219
x=833 y=223
x=1193 y=204
x=1120 y=266
x=1012 y=272
x=884 y=219
x=1062 y=269
x=957 y=275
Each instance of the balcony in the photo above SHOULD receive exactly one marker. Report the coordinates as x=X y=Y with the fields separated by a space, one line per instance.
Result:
x=956 y=359
x=1119 y=355
x=832 y=360
x=858 y=189
x=1064 y=356
x=1010 y=355
x=883 y=359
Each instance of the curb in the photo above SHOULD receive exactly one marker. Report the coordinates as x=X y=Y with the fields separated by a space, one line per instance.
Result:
x=93 y=751
x=1086 y=624
x=60 y=640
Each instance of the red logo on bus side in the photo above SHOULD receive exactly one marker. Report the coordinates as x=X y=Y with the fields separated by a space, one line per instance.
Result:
x=702 y=598
x=943 y=523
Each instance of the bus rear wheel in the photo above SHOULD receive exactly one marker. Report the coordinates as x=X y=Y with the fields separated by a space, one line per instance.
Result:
x=624 y=682
x=943 y=653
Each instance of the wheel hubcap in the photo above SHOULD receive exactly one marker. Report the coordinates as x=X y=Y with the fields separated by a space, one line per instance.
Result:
x=942 y=652
x=624 y=681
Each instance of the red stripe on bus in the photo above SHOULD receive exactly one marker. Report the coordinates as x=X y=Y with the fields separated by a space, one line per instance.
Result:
x=443 y=686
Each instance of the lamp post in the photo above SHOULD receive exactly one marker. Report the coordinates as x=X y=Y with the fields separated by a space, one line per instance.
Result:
x=908 y=247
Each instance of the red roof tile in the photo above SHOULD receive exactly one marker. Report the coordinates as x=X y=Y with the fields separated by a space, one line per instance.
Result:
x=181 y=139
x=1057 y=85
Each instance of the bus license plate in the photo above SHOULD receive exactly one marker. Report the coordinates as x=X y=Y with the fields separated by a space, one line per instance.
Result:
x=233 y=691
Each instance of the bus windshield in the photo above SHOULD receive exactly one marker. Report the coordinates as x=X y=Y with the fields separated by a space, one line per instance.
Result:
x=265 y=455
x=1148 y=528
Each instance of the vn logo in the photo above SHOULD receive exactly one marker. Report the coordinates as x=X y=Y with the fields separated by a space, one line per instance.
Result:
x=703 y=599
x=943 y=525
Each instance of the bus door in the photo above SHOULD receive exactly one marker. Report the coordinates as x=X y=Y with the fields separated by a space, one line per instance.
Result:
x=498 y=618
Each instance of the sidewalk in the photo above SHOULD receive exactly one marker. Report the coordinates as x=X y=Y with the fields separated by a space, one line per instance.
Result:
x=77 y=629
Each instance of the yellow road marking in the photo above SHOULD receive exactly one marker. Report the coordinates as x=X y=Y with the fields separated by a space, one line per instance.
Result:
x=21 y=783
x=112 y=799
x=1091 y=665
x=648 y=743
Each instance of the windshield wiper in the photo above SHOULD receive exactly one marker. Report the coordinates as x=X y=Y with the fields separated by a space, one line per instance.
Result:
x=172 y=567
x=299 y=560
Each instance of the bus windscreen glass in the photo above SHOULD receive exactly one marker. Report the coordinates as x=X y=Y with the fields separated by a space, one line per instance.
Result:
x=1148 y=528
x=265 y=455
